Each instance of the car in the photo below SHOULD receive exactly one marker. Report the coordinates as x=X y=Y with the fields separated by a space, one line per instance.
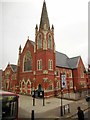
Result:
x=88 y=98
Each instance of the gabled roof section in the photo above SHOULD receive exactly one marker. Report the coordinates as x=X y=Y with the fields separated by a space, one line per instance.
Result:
x=28 y=42
x=14 y=67
x=44 y=22
x=73 y=62
x=64 y=61
x=61 y=60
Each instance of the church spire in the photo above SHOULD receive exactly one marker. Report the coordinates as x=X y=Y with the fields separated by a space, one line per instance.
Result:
x=44 y=22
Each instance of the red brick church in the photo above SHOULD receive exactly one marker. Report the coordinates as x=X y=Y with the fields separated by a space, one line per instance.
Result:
x=40 y=66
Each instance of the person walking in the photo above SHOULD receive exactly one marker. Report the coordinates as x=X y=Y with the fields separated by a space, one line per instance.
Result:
x=80 y=114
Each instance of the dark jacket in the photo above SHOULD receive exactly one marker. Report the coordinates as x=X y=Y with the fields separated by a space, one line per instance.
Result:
x=80 y=115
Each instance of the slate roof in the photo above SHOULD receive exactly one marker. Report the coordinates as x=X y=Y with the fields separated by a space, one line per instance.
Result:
x=63 y=60
x=14 y=67
x=73 y=62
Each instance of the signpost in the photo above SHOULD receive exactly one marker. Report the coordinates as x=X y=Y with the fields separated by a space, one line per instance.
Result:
x=63 y=85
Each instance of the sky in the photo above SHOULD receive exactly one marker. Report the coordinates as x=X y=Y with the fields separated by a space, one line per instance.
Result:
x=18 y=19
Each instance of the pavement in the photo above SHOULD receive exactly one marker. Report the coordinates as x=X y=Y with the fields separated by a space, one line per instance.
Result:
x=26 y=106
x=73 y=108
x=51 y=108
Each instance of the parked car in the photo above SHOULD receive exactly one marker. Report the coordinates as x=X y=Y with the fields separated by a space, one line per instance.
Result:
x=88 y=98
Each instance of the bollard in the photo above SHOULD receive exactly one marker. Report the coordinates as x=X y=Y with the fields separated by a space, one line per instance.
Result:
x=33 y=101
x=43 y=98
x=32 y=115
x=43 y=101
x=68 y=108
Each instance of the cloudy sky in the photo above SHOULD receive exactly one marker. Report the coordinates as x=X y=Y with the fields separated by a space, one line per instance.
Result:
x=18 y=19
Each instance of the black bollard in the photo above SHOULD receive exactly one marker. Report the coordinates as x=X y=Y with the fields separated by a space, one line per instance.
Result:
x=32 y=115
x=43 y=101
x=33 y=101
x=43 y=98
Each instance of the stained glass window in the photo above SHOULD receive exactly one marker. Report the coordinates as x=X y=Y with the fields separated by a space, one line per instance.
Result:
x=28 y=61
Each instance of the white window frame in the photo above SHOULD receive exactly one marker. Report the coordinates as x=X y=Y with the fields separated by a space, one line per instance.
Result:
x=39 y=64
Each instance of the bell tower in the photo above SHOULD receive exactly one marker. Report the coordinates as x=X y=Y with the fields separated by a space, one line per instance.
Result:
x=44 y=45
x=44 y=36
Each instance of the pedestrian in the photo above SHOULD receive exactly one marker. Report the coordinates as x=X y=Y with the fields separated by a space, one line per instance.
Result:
x=80 y=114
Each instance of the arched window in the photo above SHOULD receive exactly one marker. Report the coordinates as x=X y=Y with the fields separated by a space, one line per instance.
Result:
x=28 y=61
x=39 y=41
x=49 y=42
x=39 y=64
x=50 y=86
x=81 y=72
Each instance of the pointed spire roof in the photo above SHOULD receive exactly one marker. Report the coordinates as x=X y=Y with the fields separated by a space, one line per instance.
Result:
x=44 y=22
